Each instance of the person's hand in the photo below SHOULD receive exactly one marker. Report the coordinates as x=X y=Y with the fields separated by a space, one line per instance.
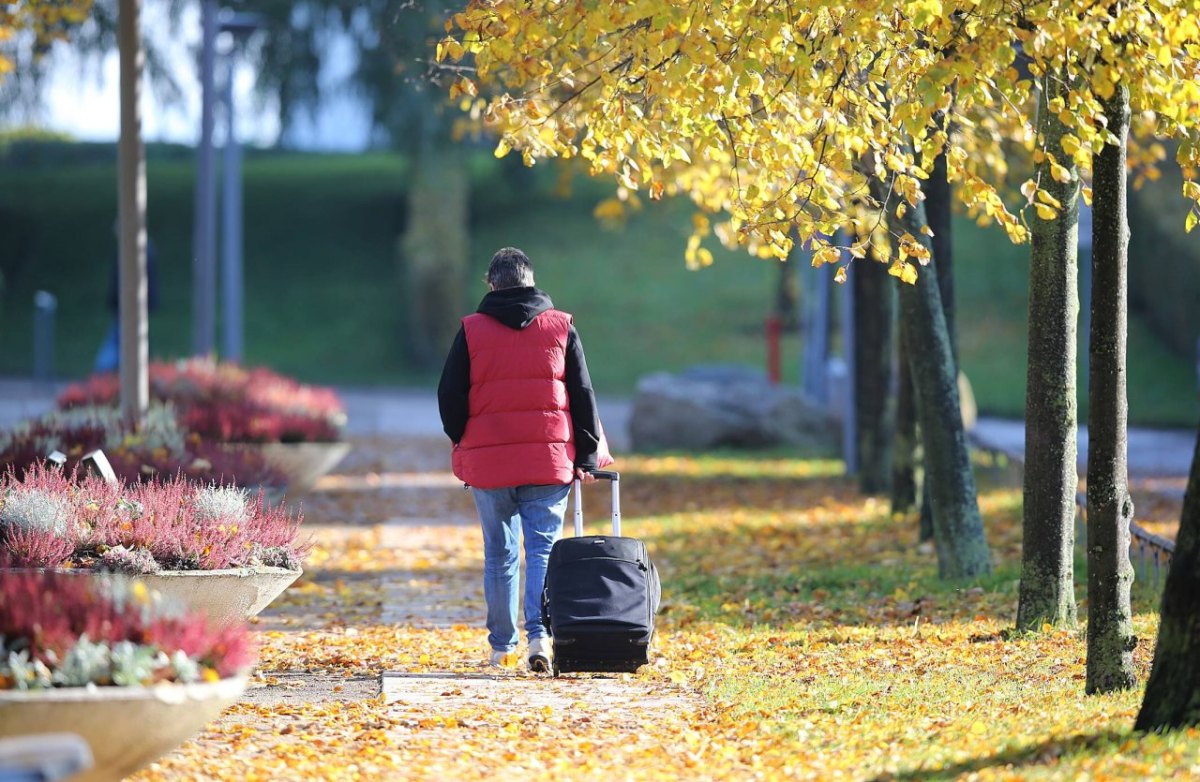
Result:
x=583 y=475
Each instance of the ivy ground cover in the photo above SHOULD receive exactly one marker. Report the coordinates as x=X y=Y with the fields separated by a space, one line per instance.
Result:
x=804 y=635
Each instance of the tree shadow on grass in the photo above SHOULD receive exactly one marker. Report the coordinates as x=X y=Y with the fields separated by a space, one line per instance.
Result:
x=1015 y=758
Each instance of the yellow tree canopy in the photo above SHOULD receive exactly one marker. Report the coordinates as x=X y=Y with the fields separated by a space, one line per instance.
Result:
x=774 y=114
x=45 y=20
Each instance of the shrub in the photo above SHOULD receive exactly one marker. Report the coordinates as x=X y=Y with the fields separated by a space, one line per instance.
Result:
x=161 y=448
x=141 y=527
x=227 y=402
x=58 y=630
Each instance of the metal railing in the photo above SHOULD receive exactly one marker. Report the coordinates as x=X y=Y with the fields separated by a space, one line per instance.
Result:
x=1149 y=554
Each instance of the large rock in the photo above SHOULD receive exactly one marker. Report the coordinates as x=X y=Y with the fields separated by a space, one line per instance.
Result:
x=713 y=406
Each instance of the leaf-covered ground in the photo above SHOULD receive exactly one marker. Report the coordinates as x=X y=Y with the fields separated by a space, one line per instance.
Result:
x=803 y=635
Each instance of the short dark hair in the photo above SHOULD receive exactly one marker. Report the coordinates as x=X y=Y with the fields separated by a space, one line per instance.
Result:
x=510 y=268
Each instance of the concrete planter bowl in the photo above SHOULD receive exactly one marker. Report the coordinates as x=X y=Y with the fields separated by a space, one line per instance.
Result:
x=126 y=727
x=302 y=464
x=226 y=596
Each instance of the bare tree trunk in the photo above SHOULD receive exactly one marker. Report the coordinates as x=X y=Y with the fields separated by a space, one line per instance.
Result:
x=131 y=197
x=939 y=212
x=962 y=548
x=1047 y=591
x=1110 y=635
x=1173 y=693
x=905 y=447
x=434 y=252
x=787 y=295
x=875 y=314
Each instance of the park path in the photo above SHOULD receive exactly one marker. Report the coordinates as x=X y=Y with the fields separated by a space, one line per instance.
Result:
x=372 y=665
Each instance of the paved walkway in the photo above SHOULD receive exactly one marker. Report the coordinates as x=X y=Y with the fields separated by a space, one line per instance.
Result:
x=413 y=412
x=370 y=411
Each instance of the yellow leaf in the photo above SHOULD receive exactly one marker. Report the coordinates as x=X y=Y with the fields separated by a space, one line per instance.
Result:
x=1163 y=55
x=908 y=274
x=1028 y=189
x=978 y=728
x=1189 y=222
x=1060 y=173
x=1046 y=198
x=1047 y=627
x=1191 y=190
x=1046 y=212
x=502 y=148
x=826 y=254
x=840 y=277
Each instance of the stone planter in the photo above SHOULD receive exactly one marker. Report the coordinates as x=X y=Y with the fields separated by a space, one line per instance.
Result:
x=302 y=464
x=226 y=596
x=126 y=727
x=232 y=595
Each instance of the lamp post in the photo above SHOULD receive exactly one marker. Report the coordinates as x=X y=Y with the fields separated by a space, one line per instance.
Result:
x=205 y=227
x=240 y=26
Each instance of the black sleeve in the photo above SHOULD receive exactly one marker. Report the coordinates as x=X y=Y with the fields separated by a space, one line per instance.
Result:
x=584 y=416
x=454 y=388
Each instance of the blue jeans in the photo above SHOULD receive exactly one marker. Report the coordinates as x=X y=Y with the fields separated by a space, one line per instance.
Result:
x=540 y=512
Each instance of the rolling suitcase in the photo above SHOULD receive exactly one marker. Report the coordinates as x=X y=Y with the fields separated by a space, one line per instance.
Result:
x=601 y=595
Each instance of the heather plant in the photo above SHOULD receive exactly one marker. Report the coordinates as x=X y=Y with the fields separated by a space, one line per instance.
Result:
x=228 y=403
x=156 y=524
x=160 y=448
x=58 y=630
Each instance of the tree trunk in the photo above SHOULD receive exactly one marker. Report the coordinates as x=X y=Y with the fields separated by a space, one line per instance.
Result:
x=938 y=211
x=787 y=295
x=1047 y=592
x=1110 y=635
x=131 y=198
x=961 y=547
x=905 y=447
x=874 y=314
x=434 y=253
x=1173 y=693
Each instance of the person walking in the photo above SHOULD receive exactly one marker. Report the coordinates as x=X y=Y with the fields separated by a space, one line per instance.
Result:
x=517 y=403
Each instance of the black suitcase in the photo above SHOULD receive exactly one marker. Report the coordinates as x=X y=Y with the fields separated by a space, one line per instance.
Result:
x=601 y=595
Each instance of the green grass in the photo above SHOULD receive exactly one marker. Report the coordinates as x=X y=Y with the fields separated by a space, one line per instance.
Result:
x=823 y=644
x=992 y=297
x=325 y=299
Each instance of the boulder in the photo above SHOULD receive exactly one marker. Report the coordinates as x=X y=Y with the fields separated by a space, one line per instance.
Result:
x=714 y=406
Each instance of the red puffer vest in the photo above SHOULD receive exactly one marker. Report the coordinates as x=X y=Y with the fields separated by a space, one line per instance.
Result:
x=519 y=422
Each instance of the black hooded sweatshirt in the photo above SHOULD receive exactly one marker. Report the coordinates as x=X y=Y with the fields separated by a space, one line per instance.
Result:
x=517 y=308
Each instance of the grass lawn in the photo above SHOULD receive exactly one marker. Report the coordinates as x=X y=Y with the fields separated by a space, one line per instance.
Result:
x=325 y=297
x=818 y=633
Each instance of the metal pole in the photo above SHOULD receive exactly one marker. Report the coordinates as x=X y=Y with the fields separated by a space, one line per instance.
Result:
x=44 y=308
x=131 y=197
x=231 y=227
x=204 y=239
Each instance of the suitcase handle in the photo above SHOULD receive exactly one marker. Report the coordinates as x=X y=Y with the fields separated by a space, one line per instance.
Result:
x=609 y=475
